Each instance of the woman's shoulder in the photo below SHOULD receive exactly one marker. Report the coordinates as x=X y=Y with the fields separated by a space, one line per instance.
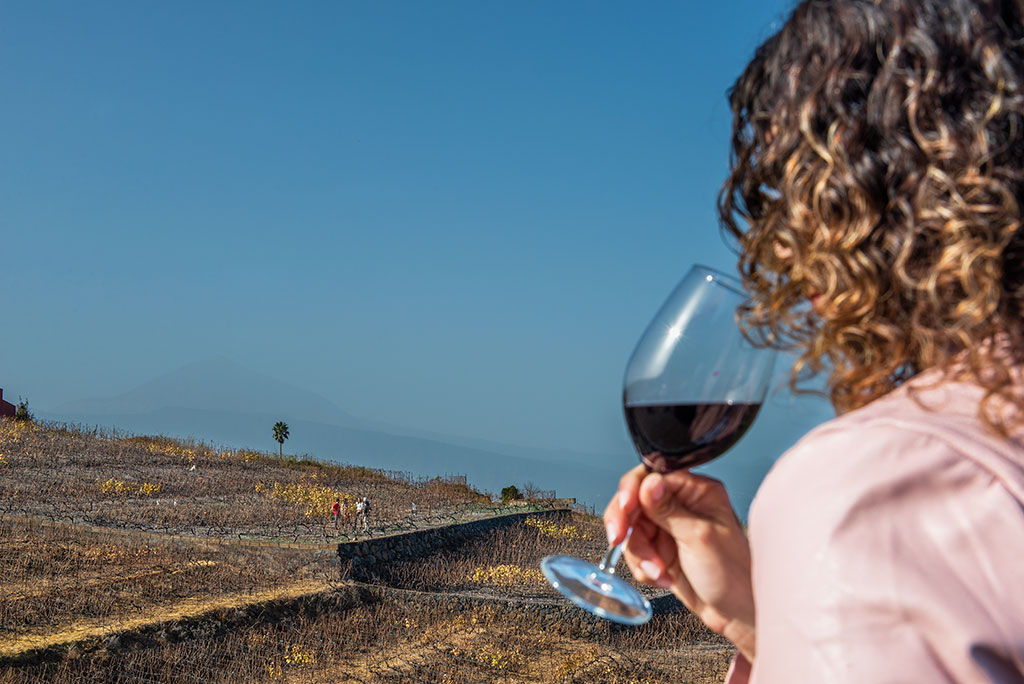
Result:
x=898 y=519
x=844 y=461
x=919 y=441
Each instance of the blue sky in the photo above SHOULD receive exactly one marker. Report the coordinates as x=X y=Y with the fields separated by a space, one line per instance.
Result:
x=455 y=216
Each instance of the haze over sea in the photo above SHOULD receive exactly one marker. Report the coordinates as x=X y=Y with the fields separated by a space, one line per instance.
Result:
x=426 y=235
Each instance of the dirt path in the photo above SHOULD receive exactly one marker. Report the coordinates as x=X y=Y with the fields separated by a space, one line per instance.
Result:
x=156 y=536
x=88 y=630
x=42 y=587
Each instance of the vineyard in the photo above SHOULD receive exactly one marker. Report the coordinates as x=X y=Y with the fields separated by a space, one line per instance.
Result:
x=162 y=485
x=138 y=559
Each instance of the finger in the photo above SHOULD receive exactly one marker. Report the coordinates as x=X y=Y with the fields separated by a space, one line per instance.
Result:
x=643 y=557
x=622 y=510
x=682 y=495
x=678 y=582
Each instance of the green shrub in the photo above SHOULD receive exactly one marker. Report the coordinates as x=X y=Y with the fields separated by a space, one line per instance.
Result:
x=510 y=493
x=22 y=412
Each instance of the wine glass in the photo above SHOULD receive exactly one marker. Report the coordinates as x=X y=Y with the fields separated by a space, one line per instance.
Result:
x=693 y=386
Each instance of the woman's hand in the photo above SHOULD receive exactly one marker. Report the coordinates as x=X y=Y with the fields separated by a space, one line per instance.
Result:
x=687 y=538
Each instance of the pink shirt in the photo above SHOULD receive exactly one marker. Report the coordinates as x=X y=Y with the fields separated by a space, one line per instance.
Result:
x=888 y=546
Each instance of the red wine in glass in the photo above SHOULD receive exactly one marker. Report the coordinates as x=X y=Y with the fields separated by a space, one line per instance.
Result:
x=674 y=436
x=693 y=387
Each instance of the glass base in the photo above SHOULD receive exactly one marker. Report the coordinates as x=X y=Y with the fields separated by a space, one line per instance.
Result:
x=596 y=590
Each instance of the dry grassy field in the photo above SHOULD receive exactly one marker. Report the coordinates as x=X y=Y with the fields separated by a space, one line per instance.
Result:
x=137 y=559
x=62 y=584
x=388 y=641
x=168 y=486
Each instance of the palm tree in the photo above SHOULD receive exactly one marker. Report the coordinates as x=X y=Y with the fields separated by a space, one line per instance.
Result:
x=280 y=434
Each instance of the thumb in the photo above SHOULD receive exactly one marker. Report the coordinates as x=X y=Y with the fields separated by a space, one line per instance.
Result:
x=680 y=497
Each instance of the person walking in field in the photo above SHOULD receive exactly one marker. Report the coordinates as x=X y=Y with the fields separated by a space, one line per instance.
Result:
x=336 y=513
x=360 y=512
x=366 y=513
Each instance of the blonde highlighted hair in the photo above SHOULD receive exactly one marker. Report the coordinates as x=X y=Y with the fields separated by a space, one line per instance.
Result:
x=878 y=161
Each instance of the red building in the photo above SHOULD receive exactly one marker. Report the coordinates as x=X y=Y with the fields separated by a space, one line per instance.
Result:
x=6 y=407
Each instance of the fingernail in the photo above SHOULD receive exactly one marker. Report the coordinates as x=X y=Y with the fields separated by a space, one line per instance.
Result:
x=623 y=499
x=657 y=489
x=612 y=529
x=652 y=571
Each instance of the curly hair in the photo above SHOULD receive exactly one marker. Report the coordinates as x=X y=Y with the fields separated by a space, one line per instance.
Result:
x=877 y=161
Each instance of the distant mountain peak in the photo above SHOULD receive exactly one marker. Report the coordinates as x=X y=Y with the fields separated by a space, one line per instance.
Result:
x=217 y=383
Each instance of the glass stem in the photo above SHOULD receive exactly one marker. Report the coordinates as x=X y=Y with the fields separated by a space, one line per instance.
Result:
x=614 y=553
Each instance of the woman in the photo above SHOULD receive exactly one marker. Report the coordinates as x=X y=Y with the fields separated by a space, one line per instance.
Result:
x=875 y=193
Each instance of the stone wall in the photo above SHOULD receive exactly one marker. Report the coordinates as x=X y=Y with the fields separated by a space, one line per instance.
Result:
x=361 y=557
x=409 y=545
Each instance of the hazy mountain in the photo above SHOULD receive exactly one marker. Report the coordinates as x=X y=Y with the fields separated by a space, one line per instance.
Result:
x=216 y=384
x=225 y=404
x=626 y=459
